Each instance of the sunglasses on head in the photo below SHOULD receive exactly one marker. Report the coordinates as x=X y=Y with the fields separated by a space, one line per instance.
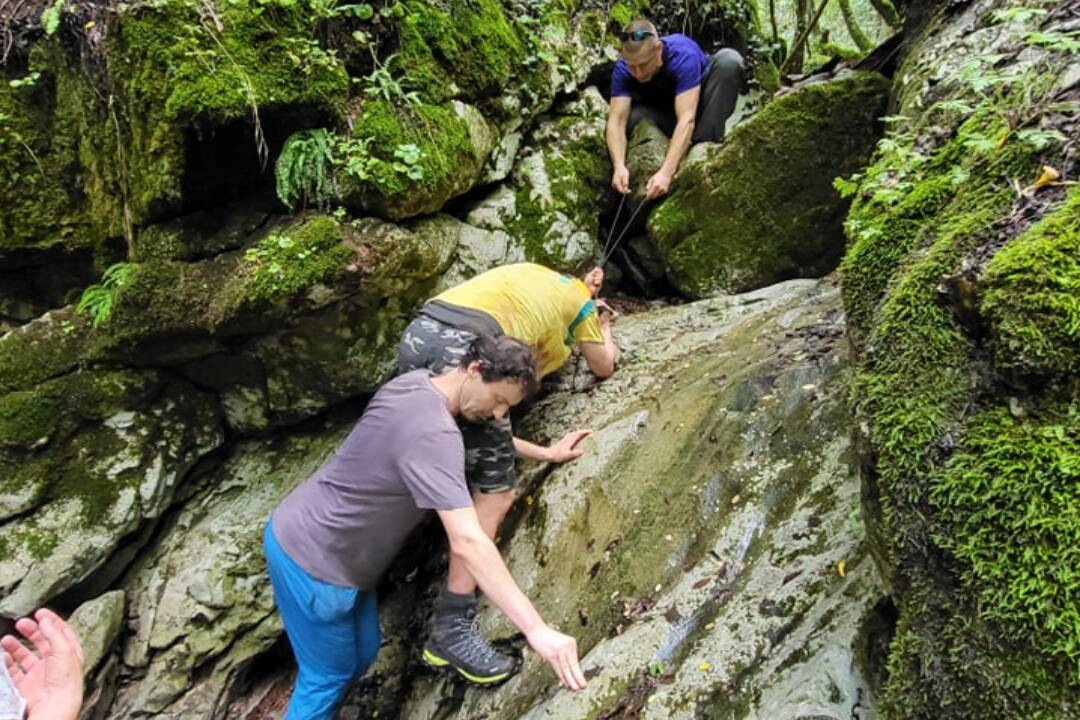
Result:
x=635 y=35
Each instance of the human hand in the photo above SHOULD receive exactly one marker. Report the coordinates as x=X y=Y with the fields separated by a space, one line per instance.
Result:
x=594 y=280
x=49 y=674
x=560 y=651
x=620 y=179
x=658 y=184
x=565 y=449
x=605 y=313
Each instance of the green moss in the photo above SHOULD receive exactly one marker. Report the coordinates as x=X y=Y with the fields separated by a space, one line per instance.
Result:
x=476 y=51
x=1008 y=504
x=177 y=68
x=1031 y=296
x=285 y=263
x=965 y=509
x=29 y=417
x=47 y=347
x=761 y=207
x=55 y=159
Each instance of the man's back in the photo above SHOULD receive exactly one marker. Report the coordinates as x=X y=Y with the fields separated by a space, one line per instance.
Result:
x=345 y=523
x=544 y=309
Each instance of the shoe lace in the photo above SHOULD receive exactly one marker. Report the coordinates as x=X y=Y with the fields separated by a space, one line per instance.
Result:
x=472 y=645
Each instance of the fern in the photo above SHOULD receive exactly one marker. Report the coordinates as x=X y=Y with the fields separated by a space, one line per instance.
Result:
x=302 y=172
x=97 y=300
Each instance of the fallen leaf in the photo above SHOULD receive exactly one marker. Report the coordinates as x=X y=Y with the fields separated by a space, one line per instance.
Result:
x=840 y=568
x=704 y=667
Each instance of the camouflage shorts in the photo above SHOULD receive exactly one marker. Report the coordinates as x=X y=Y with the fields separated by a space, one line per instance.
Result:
x=489 y=446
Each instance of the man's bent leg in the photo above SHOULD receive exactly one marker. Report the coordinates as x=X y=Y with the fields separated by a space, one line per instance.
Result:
x=491 y=508
x=720 y=89
x=663 y=119
x=454 y=640
x=333 y=632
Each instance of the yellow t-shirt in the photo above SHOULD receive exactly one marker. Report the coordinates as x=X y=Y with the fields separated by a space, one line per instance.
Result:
x=542 y=308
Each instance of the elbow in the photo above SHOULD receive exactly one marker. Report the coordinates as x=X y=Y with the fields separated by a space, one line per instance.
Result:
x=603 y=369
x=467 y=546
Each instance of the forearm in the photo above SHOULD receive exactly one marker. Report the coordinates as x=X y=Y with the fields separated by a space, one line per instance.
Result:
x=616 y=142
x=531 y=451
x=609 y=344
x=680 y=143
x=484 y=563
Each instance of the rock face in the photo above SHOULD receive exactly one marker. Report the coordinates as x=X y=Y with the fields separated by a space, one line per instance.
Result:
x=960 y=293
x=707 y=544
x=761 y=207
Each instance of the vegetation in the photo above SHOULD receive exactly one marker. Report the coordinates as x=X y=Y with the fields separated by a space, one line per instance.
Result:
x=97 y=300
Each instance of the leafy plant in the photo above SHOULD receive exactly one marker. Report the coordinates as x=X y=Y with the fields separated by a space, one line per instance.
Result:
x=50 y=17
x=97 y=300
x=303 y=170
x=28 y=80
x=408 y=157
x=381 y=84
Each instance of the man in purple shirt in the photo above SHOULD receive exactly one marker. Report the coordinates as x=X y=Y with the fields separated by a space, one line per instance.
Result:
x=672 y=82
x=328 y=543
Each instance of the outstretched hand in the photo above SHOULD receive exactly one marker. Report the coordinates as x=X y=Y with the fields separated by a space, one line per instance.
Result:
x=49 y=673
x=566 y=448
x=560 y=651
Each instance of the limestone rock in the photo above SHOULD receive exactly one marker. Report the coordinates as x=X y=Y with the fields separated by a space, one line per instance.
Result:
x=97 y=624
x=706 y=550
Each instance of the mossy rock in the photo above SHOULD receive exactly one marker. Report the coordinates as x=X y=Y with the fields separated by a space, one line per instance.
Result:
x=474 y=51
x=114 y=455
x=182 y=71
x=450 y=142
x=552 y=204
x=57 y=159
x=761 y=207
x=959 y=295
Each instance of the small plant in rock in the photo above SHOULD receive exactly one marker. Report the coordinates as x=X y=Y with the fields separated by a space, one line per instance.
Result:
x=28 y=80
x=408 y=158
x=382 y=84
x=303 y=171
x=97 y=300
x=50 y=17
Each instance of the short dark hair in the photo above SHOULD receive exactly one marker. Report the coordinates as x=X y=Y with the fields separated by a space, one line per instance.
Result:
x=502 y=357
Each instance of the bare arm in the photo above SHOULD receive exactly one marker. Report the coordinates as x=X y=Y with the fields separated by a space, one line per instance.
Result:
x=618 y=115
x=685 y=111
x=474 y=548
x=601 y=357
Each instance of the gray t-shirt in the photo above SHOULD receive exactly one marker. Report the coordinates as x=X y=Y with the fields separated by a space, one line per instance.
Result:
x=345 y=523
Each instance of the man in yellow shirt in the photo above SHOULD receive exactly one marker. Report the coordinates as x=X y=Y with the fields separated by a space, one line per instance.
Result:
x=552 y=313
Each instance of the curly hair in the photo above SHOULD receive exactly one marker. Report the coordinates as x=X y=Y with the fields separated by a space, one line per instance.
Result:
x=501 y=357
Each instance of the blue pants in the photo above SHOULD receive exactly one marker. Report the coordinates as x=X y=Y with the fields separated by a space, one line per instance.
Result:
x=333 y=630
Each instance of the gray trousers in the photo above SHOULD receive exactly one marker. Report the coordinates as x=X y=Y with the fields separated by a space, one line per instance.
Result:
x=720 y=87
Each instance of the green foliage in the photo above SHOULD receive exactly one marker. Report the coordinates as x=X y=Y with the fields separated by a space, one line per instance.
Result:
x=50 y=17
x=97 y=299
x=381 y=84
x=28 y=80
x=303 y=170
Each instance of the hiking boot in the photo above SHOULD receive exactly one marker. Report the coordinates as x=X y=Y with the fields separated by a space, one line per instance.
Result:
x=455 y=643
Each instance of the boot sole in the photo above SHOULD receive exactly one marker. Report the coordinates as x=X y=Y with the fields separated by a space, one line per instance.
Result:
x=432 y=660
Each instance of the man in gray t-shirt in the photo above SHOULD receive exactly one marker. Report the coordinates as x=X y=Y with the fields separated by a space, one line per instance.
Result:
x=330 y=540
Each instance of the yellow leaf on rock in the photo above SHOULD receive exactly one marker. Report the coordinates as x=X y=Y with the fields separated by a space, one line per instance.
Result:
x=1047 y=176
x=704 y=667
x=840 y=568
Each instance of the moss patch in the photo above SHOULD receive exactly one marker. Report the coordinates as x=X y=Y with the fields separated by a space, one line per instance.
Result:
x=373 y=176
x=1031 y=297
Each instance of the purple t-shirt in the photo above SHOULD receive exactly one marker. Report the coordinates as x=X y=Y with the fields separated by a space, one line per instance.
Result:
x=684 y=66
x=405 y=456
